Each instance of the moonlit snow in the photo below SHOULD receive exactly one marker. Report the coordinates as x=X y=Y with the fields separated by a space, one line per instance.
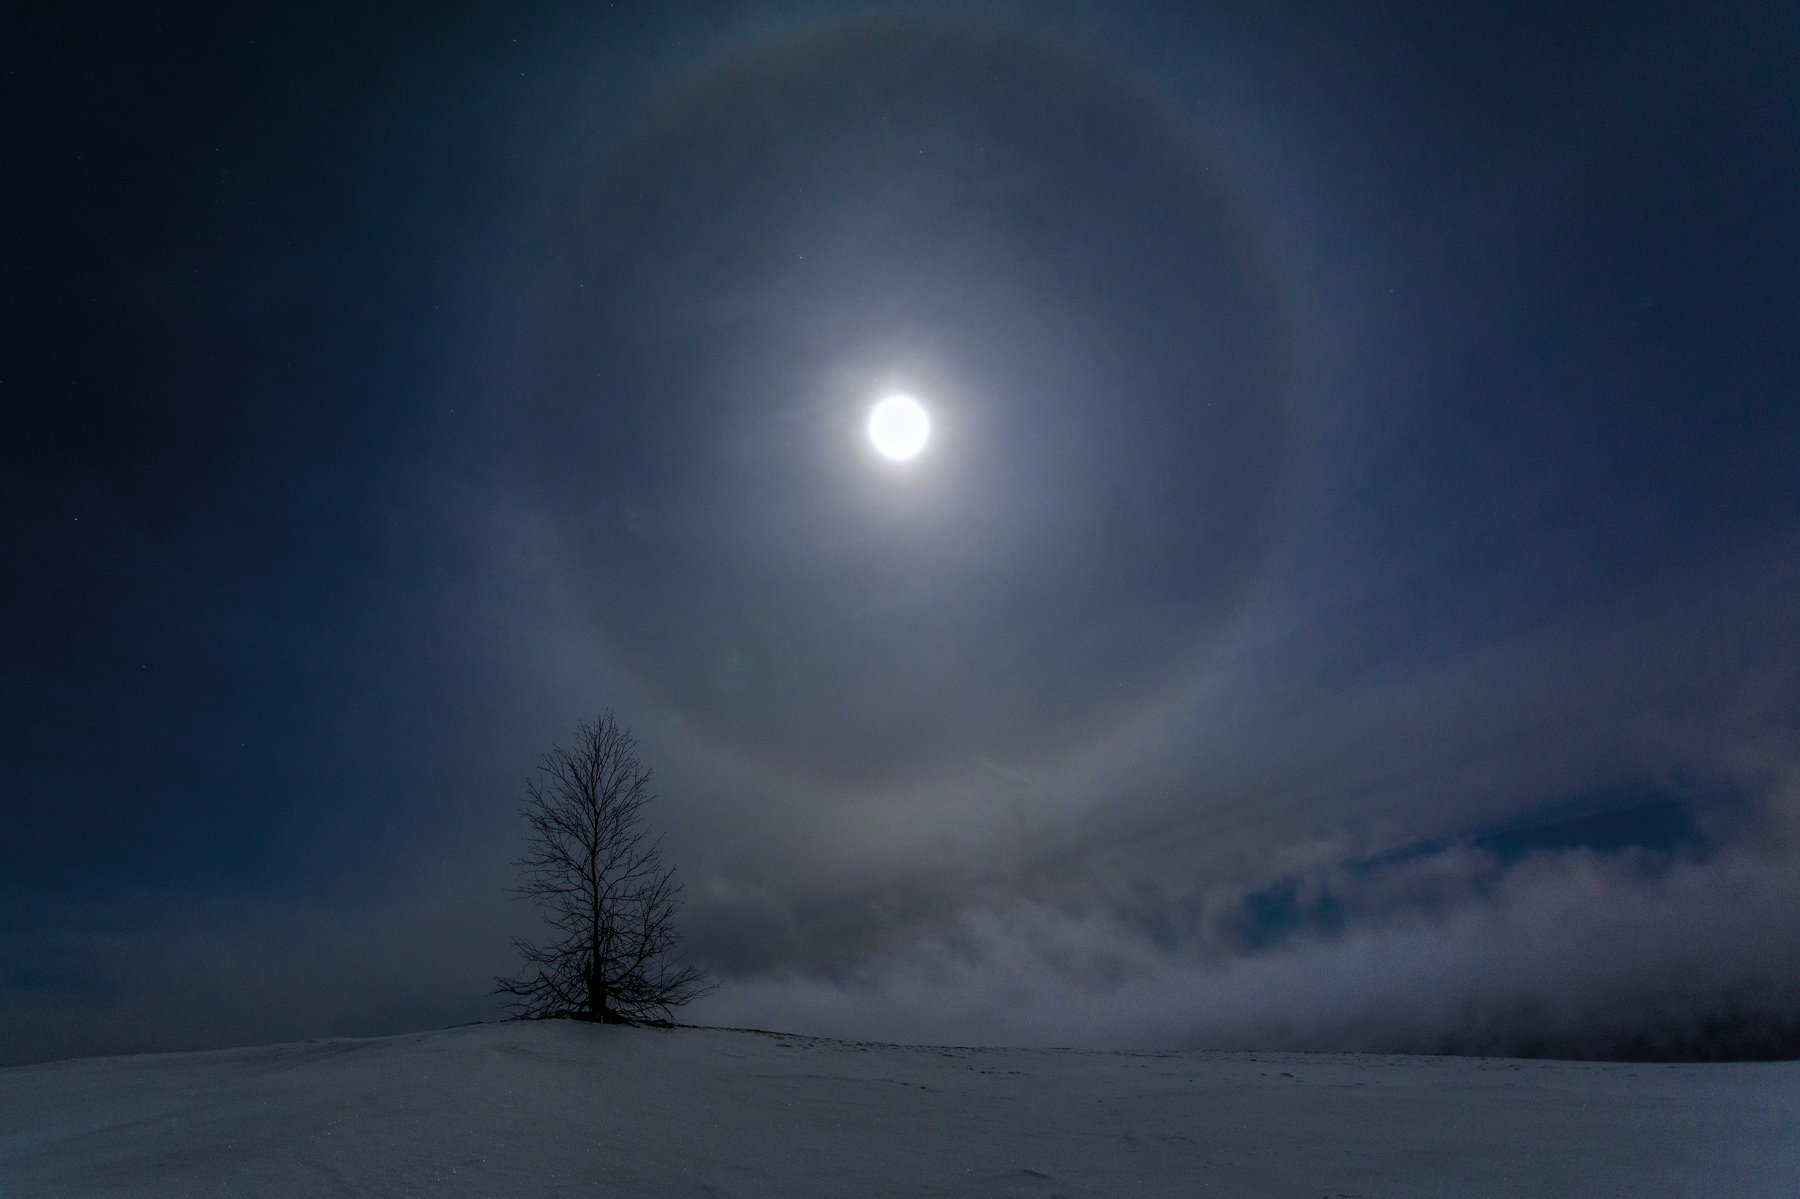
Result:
x=556 y=1108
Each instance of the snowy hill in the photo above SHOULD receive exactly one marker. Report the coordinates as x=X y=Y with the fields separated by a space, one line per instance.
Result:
x=564 y=1109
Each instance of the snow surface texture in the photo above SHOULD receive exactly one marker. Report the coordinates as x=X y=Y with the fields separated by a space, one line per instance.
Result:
x=554 y=1108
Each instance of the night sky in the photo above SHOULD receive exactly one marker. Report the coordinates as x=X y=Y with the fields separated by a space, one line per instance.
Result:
x=1350 y=598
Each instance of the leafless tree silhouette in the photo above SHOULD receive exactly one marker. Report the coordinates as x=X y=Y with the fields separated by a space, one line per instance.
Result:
x=609 y=901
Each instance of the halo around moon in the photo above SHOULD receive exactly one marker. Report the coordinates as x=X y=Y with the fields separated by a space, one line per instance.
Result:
x=1050 y=256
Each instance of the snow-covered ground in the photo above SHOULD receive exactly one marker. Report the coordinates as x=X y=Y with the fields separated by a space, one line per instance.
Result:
x=563 y=1109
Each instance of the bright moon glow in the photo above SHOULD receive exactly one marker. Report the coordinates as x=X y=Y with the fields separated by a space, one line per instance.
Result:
x=899 y=427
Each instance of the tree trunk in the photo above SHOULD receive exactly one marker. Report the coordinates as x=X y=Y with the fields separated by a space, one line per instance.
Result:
x=596 y=985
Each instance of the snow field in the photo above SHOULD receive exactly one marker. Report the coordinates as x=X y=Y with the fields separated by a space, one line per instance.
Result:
x=561 y=1109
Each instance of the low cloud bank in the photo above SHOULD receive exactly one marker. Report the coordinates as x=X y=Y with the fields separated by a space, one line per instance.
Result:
x=1672 y=952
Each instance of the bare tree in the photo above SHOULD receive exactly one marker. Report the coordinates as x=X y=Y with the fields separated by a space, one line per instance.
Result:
x=609 y=901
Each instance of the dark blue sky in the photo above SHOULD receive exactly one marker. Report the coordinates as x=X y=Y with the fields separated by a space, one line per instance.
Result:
x=1346 y=601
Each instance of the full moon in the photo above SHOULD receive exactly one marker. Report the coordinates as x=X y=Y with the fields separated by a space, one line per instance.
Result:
x=898 y=427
